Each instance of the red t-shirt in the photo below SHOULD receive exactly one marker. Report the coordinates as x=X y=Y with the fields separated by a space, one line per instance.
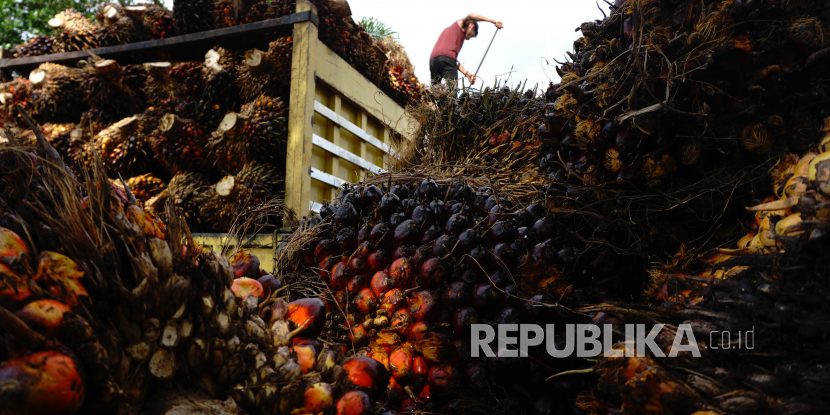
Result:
x=449 y=43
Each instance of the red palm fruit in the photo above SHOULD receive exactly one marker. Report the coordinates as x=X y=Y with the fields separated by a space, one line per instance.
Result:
x=306 y=351
x=441 y=377
x=13 y=250
x=45 y=382
x=326 y=264
x=400 y=362
x=403 y=251
x=358 y=335
x=363 y=250
x=339 y=276
x=394 y=390
x=150 y=226
x=423 y=304
x=381 y=283
x=245 y=264
x=392 y=300
x=308 y=314
x=13 y=288
x=44 y=314
x=367 y=373
x=270 y=284
x=420 y=368
x=354 y=403
x=418 y=330
x=401 y=272
x=378 y=260
x=324 y=248
x=401 y=320
x=381 y=355
x=365 y=301
x=357 y=283
x=426 y=393
x=358 y=266
x=432 y=272
x=318 y=398
x=68 y=290
x=244 y=287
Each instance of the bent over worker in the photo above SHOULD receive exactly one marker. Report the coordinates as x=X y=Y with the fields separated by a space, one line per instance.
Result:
x=443 y=62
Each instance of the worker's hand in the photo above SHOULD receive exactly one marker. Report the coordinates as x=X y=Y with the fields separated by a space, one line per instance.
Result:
x=472 y=78
x=498 y=24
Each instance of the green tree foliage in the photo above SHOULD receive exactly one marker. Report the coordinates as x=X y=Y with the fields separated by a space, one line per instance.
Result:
x=376 y=28
x=23 y=19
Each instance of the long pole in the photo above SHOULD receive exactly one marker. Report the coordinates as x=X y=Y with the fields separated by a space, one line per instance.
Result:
x=485 y=52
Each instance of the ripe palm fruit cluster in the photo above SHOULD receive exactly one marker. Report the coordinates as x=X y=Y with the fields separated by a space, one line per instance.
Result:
x=74 y=31
x=103 y=306
x=38 y=45
x=411 y=266
x=56 y=93
x=658 y=93
x=264 y=72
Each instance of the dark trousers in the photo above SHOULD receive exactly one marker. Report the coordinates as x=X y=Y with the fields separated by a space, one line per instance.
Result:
x=443 y=67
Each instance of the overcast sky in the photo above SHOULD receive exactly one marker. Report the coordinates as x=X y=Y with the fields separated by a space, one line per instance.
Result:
x=535 y=33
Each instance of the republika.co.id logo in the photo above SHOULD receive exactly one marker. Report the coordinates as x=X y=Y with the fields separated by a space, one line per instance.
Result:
x=587 y=340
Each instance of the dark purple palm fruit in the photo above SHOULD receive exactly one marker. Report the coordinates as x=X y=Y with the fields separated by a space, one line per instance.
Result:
x=390 y=203
x=439 y=210
x=326 y=211
x=371 y=195
x=408 y=205
x=489 y=203
x=397 y=218
x=520 y=244
x=481 y=196
x=423 y=216
x=566 y=255
x=406 y=232
x=460 y=191
x=443 y=245
x=502 y=231
x=475 y=375
x=462 y=319
x=346 y=239
x=542 y=229
x=467 y=240
x=544 y=253
x=523 y=218
x=479 y=256
x=501 y=279
x=381 y=234
x=346 y=214
x=472 y=276
x=537 y=210
x=403 y=251
x=505 y=254
x=401 y=190
x=456 y=224
x=508 y=315
x=430 y=234
x=422 y=253
x=427 y=190
x=457 y=294
x=496 y=214
x=486 y=298
x=432 y=272
x=363 y=232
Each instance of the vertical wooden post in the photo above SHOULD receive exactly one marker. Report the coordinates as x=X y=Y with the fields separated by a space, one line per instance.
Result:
x=335 y=138
x=300 y=114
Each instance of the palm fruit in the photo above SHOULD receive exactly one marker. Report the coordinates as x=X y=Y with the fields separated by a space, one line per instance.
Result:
x=38 y=45
x=156 y=20
x=145 y=186
x=188 y=192
x=192 y=16
x=42 y=383
x=220 y=92
x=123 y=148
x=179 y=143
x=233 y=195
x=75 y=31
x=257 y=133
x=56 y=93
x=113 y=90
x=266 y=72
x=224 y=14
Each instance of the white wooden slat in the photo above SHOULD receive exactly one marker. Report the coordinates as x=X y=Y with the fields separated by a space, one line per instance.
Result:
x=359 y=132
x=345 y=154
x=315 y=207
x=327 y=178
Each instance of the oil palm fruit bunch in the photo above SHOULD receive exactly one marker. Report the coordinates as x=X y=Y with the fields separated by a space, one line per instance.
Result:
x=38 y=45
x=266 y=72
x=104 y=305
x=189 y=192
x=179 y=143
x=124 y=150
x=741 y=86
x=146 y=186
x=220 y=93
x=187 y=88
x=117 y=27
x=156 y=20
x=261 y=10
x=191 y=16
x=159 y=87
x=16 y=92
x=113 y=90
x=224 y=14
x=56 y=93
x=74 y=31
x=410 y=267
x=257 y=133
x=233 y=195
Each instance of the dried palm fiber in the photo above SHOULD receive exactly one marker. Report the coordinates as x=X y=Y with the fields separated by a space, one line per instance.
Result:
x=38 y=45
x=191 y=16
x=154 y=308
x=112 y=89
x=179 y=144
x=57 y=95
x=254 y=185
x=74 y=31
x=146 y=186
x=258 y=133
x=156 y=19
x=266 y=72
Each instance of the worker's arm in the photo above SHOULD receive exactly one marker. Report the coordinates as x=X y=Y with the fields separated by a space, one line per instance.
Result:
x=467 y=74
x=480 y=18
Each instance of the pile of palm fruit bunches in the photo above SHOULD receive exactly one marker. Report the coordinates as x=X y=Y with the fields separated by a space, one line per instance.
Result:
x=211 y=135
x=114 y=24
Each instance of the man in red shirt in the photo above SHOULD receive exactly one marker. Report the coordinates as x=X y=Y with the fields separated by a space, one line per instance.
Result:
x=443 y=61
